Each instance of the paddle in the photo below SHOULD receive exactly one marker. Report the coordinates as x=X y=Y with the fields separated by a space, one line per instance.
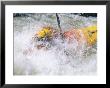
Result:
x=58 y=21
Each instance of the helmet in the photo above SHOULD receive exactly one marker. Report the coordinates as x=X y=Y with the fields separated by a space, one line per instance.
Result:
x=45 y=32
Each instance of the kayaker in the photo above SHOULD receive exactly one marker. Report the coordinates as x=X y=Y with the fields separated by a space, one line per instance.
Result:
x=87 y=35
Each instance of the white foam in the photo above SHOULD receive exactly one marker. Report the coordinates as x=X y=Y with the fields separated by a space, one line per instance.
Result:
x=53 y=61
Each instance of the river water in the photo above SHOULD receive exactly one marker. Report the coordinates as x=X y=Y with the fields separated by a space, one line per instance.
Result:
x=53 y=61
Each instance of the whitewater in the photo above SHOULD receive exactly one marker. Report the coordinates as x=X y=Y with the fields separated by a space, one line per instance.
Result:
x=62 y=59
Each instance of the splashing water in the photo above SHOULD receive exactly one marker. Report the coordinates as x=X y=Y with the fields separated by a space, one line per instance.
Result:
x=62 y=59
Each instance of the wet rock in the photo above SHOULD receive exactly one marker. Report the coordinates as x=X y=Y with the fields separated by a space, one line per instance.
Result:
x=87 y=14
x=22 y=14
